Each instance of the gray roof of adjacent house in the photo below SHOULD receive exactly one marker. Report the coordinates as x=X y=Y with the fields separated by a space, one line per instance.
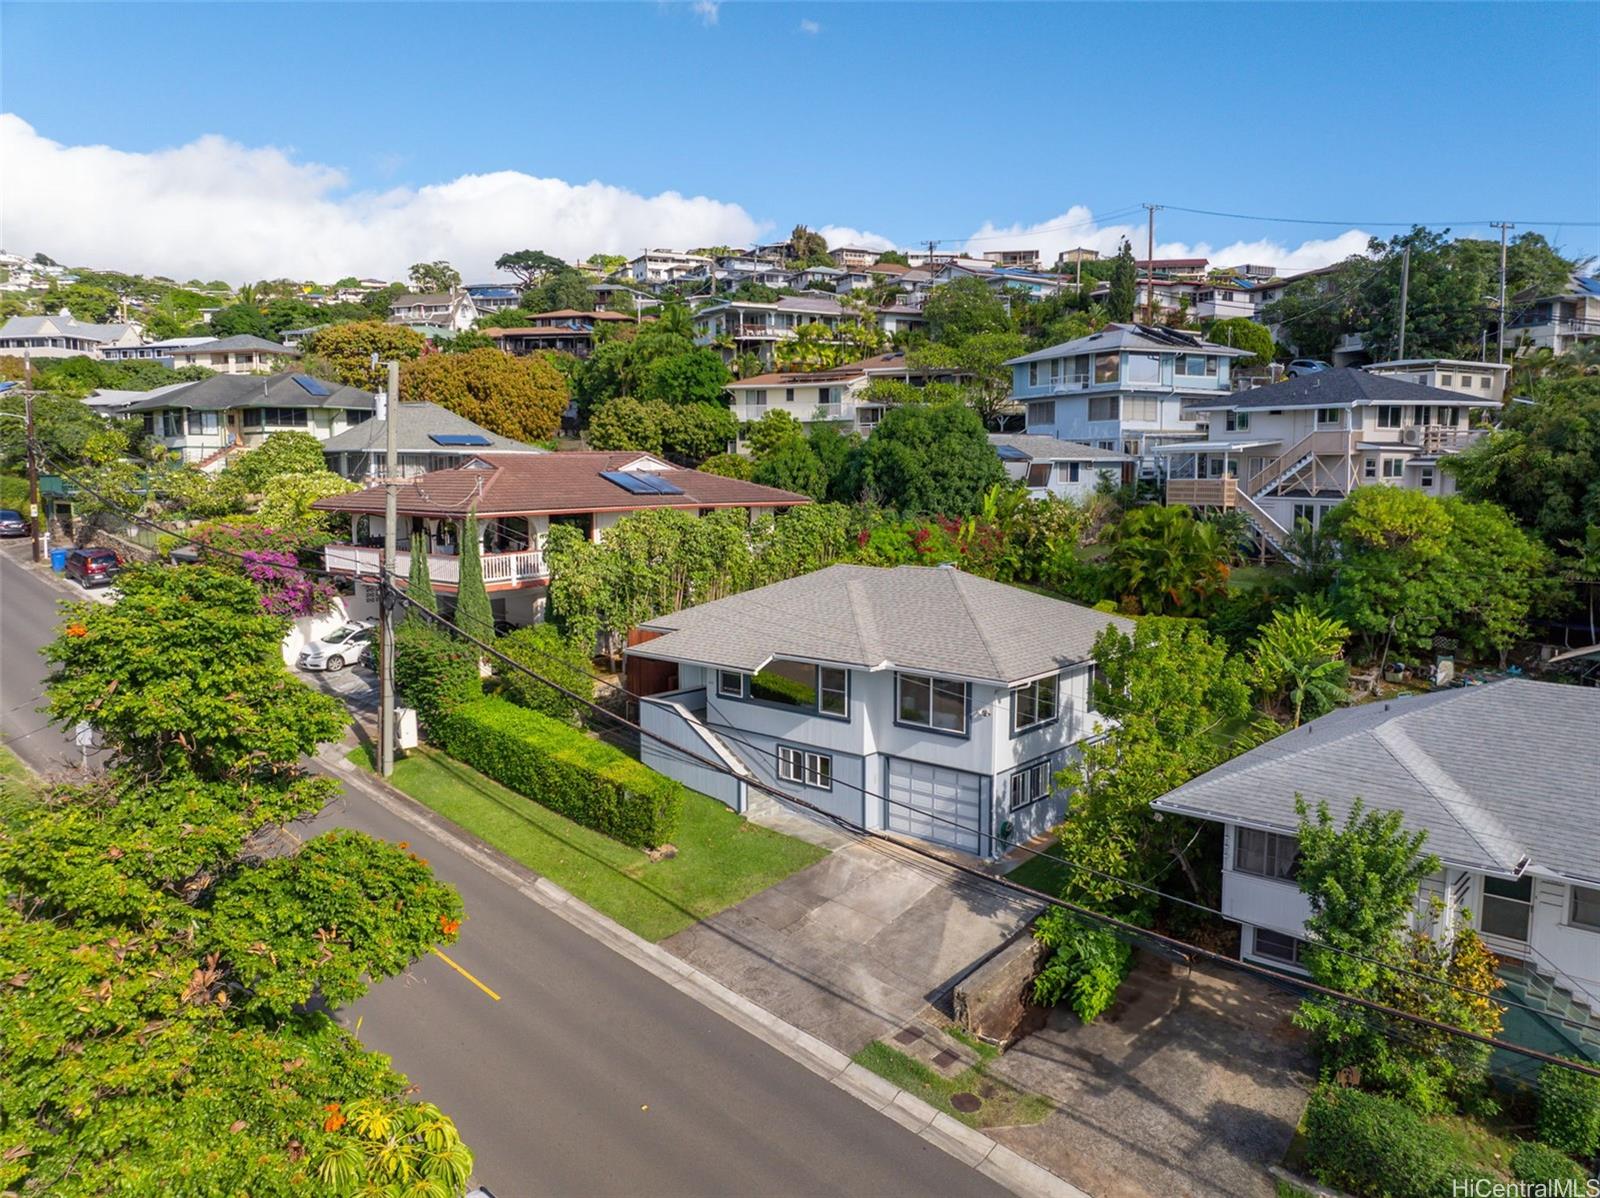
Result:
x=1142 y=337
x=225 y=391
x=935 y=620
x=1053 y=449
x=239 y=343
x=1343 y=386
x=61 y=326
x=1501 y=776
x=419 y=424
x=111 y=398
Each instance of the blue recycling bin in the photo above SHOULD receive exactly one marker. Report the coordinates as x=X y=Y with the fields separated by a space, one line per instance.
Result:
x=58 y=560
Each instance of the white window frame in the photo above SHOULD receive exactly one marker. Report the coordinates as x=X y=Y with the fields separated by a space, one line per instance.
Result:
x=1506 y=903
x=805 y=767
x=825 y=678
x=723 y=692
x=1029 y=785
x=1391 y=415
x=932 y=684
x=1278 y=854
x=1296 y=951
x=1394 y=467
x=1029 y=700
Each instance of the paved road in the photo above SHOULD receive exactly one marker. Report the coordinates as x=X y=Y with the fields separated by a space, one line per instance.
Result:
x=27 y=621
x=589 y=1077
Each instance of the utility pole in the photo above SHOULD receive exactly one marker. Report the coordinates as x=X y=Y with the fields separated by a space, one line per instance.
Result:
x=387 y=600
x=1500 y=336
x=33 y=479
x=1150 y=267
x=1405 y=287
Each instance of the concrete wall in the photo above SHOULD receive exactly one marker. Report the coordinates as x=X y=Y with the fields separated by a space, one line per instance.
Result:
x=308 y=628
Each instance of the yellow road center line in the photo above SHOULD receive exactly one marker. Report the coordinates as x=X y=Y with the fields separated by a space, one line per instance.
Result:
x=466 y=975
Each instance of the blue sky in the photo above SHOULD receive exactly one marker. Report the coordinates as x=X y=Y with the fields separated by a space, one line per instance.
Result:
x=906 y=121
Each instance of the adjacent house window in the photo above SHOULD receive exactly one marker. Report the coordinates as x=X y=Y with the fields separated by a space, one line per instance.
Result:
x=1585 y=908
x=1140 y=408
x=1072 y=471
x=1034 y=703
x=1266 y=854
x=1192 y=365
x=758 y=397
x=1327 y=416
x=1105 y=367
x=1275 y=946
x=833 y=693
x=1449 y=380
x=1237 y=422
x=730 y=685
x=804 y=767
x=1029 y=785
x=1388 y=415
x=1449 y=417
x=1041 y=414
x=1369 y=468
x=1483 y=383
x=202 y=422
x=1080 y=372
x=1306 y=512
x=936 y=703
x=1033 y=374
x=1507 y=907
x=1394 y=467
x=1425 y=476
x=1144 y=368
x=1103 y=407
x=788 y=395
x=1039 y=474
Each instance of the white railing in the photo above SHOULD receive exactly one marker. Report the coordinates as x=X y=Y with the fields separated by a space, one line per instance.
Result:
x=443 y=568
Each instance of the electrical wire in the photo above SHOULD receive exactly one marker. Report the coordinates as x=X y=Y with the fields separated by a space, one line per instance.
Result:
x=784 y=796
x=1386 y=224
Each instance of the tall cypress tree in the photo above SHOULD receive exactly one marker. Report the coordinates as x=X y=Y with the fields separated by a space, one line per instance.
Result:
x=419 y=586
x=1124 y=292
x=474 y=615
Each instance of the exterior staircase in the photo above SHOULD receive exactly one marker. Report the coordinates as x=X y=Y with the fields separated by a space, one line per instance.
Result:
x=211 y=463
x=1572 y=1015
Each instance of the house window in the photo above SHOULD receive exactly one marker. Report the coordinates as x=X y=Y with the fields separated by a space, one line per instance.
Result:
x=1237 y=422
x=1369 y=468
x=1029 y=785
x=1388 y=415
x=1080 y=372
x=172 y=424
x=1072 y=471
x=1102 y=407
x=730 y=685
x=1040 y=414
x=1483 y=383
x=833 y=693
x=1033 y=374
x=1034 y=703
x=936 y=703
x=1507 y=907
x=804 y=767
x=1585 y=908
x=1039 y=474
x=1105 y=368
x=1192 y=365
x=1327 y=416
x=1136 y=408
x=758 y=397
x=1266 y=854
x=1275 y=946
x=202 y=422
x=788 y=395
x=1449 y=380
x=1425 y=476
x=1394 y=467
x=1144 y=368
x=791 y=683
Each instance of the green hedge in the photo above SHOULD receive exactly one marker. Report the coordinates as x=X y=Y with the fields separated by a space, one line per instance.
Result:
x=589 y=782
x=1540 y=1163
x=1376 y=1147
x=543 y=650
x=1569 y=1111
x=433 y=672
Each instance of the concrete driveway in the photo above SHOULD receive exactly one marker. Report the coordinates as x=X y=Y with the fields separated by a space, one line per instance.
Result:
x=1191 y=1084
x=857 y=946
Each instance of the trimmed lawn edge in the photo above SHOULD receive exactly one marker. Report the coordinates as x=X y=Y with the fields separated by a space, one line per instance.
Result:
x=1005 y=1106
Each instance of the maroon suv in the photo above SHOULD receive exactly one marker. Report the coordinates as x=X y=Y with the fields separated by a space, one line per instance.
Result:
x=93 y=567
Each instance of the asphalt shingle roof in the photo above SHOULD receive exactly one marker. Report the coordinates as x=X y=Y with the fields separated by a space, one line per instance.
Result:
x=239 y=343
x=1053 y=449
x=933 y=619
x=419 y=422
x=1493 y=773
x=1336 y=388
x=527 y=483
x=1130 y=336
x=226 y=391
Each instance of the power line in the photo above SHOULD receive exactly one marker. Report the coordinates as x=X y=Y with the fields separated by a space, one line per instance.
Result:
x=1386 y=224
x=387 y=585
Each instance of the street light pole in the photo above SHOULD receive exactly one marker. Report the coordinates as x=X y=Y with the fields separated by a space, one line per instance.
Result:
x=391 y=471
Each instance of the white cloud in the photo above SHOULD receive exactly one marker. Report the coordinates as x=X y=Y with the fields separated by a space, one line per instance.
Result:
x=807 y=25
x=1077 y=226
x=837 y=235
x=216 y=209
x=707 y=10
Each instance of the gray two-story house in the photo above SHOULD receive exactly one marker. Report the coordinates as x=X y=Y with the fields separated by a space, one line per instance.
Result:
x=918 y=700
x=1122 y=389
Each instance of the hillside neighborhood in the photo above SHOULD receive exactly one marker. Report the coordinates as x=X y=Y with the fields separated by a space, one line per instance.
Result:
x=1077 y=709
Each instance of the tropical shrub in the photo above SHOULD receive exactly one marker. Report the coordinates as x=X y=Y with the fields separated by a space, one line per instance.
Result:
x=433 y=672
x=588 y=781
x=1539 y=1164
x=1379 y=1148
x=1569 y=1111
x=1086 y=965
x=543 y=650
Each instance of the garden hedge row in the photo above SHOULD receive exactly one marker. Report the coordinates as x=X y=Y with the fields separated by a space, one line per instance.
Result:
x=1569 y=1111
x=589 y=782
x=1376 y=1147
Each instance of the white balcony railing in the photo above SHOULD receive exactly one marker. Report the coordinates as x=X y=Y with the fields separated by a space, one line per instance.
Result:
x=499 y=569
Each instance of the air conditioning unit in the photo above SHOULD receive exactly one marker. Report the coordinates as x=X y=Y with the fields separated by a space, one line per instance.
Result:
x=1411 y=436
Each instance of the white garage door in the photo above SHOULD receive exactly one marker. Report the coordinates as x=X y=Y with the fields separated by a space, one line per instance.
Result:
x=945 y=806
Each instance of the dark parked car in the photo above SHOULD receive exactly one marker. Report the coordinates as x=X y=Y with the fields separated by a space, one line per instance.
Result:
x=13 y=523
x=93 y=567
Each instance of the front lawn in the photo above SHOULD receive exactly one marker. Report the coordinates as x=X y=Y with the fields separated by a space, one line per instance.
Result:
x=999 y=1105
x=722 y=857
x=19 y=786
x=1046 y=870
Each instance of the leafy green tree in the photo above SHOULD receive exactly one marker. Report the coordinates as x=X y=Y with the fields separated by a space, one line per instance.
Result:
x=1499 y=578
x=692 y=432
x=1583 y=569
x=419 y=584
x=544 y=651
x=435 y=276
x=1124 y=293
x=518 y=397
x=63 y=427
x=808 y=248
x=1162 y=561
x=285 y=452
x=792 y=466
x=625 y=423
x=348 y=350
x=95 y=305
x=930 y=458
x=530 y=266
x=607 y=263
x=775 y=427
x=240 y=320
x=895 y=257
x=813 y=347
x=698 y=376
x=466 y=341
x=1297 y=659
x=729 y=465
x=981 y=358
x=286 y=502
x=1543 y=464
x=960 y=309
x=565 y=290
x=836 y=450
x=1239 y=332
x=474 y=614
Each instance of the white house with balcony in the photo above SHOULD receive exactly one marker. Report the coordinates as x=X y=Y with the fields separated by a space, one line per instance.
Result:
x=519 y=497
x=919 y=700
x=657 y=268
x=452 y=311
x=1556 y=322
x=1505 y=780
x=823 y=396
x=1122 y=389
x=1049 y=466
x=1292 y=450
x=242 y=353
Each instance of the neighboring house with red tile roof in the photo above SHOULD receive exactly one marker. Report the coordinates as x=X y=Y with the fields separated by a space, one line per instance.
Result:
x=518 y=498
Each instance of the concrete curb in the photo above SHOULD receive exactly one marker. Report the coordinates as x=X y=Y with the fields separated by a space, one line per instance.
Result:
x=972 y=1148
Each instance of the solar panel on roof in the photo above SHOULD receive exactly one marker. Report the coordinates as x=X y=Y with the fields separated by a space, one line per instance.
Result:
x=459 y=439
x=311 y=386
x=640 y=484
x=1011 y=453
